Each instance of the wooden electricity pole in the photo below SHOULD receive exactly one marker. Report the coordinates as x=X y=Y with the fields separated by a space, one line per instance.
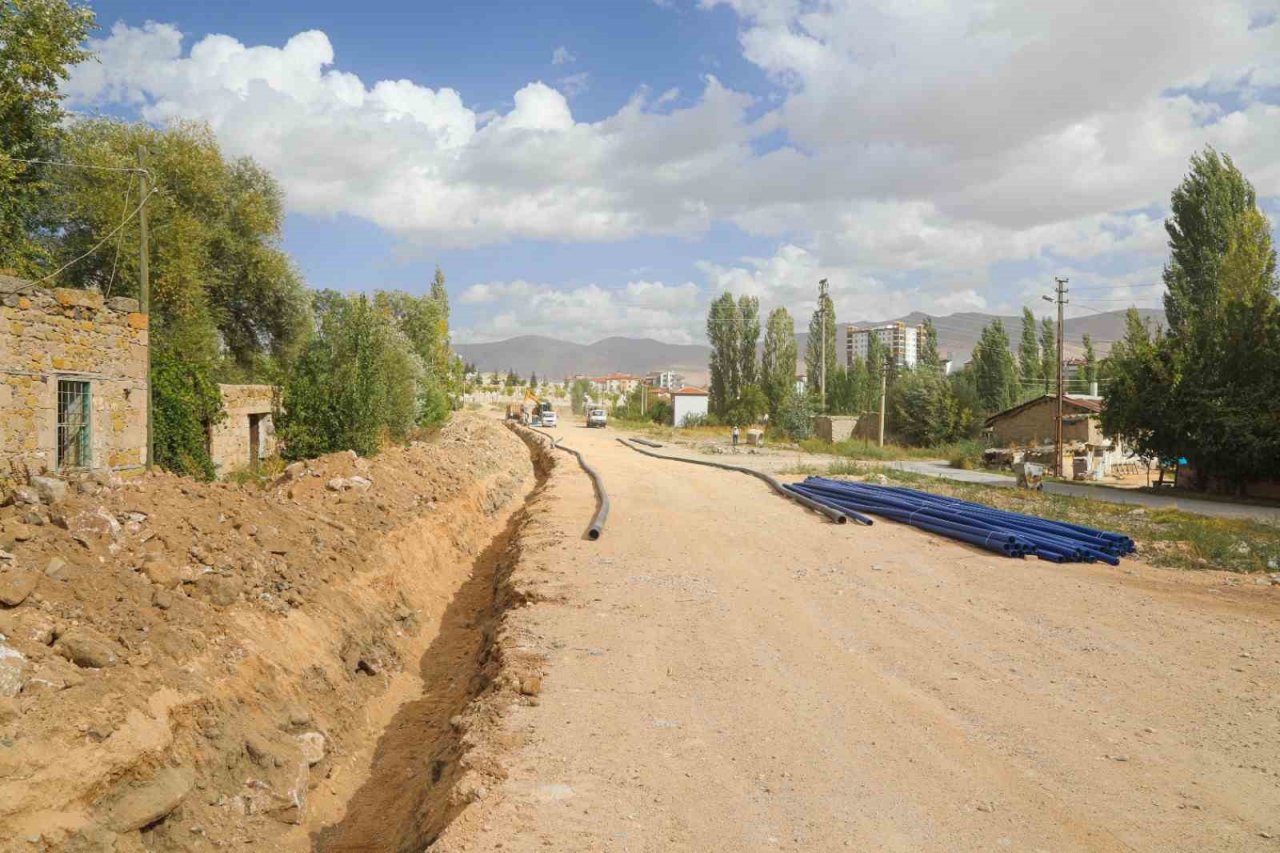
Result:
x=144 y=278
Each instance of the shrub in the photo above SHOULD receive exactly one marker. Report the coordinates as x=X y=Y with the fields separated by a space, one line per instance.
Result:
x=357 y=383
x=185 y=403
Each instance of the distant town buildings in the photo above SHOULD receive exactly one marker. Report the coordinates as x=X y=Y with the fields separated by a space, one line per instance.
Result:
x=612 y=383
x=900 y=341
x=667 y=379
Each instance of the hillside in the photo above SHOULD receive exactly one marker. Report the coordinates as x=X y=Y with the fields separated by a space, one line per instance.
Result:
x=550 y=357
x=557 y=359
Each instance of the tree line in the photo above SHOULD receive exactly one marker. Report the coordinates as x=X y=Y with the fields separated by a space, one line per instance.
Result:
x=1206 y=387
x=227 y=302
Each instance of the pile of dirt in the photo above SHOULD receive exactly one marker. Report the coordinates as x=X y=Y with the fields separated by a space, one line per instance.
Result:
x=196 y=666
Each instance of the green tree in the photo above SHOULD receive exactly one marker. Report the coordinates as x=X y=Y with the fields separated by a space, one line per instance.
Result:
x=39 y=41
x=724 y=332
x=748 y=407
x=928 y=356
x=778 y=361
x=1207 y=389
x=1090 y=363
x=922 y=410
x=579 y=393
x=995 y=374
x=1205 y=208
x=748 y=341
x=1048 y=354
x=1137 y=405
x=356 y=383
x=1030 y=366
x=419 y=319
x=816 y=356
x=217 y=225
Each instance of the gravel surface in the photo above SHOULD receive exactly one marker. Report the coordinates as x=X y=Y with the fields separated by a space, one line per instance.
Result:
x=726 y=671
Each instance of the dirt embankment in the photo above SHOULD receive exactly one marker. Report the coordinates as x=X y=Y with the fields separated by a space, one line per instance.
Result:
x=194 y=667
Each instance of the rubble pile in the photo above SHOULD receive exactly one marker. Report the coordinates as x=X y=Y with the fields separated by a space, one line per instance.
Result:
x=181 y=663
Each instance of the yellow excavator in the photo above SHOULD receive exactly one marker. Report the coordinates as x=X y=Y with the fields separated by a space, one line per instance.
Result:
x=537 y=409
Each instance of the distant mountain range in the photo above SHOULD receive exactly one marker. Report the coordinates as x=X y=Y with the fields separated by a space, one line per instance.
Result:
x=556 y=359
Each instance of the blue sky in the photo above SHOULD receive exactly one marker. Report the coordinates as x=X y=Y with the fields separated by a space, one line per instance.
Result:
x=582 y=169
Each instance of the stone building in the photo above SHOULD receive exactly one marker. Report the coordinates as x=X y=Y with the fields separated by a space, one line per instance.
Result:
x=246 y=435
x=73 y=380
x=1033 y=424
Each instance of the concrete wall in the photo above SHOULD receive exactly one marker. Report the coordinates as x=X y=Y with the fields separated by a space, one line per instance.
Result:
x=835 y=427
x=688 y=404
x=47 y=335
x=230 y=447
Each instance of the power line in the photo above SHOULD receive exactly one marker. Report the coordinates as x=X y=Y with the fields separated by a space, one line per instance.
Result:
x=96 y=247
x=116 y=260
x=67 y=164
x=1120 y=286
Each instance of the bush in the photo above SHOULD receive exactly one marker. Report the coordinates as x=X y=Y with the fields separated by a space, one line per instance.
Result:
x=357 y=383
x=795 y=416
x=695 y=419
x=185 y=403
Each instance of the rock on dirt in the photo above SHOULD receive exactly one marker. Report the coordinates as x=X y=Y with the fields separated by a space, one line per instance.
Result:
x=49 y=490
x=211 y=612
x=15 y=586
x=87 y=648
x=312 y=746
x=146 y=804
x=13 y=670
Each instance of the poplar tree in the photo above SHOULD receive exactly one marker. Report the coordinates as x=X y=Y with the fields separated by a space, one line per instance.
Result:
x=1030 y=366
x=778 y=361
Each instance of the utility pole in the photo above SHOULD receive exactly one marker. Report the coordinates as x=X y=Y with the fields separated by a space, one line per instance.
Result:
x=1061 y=300
x=144 y=277
x=884 y=381
x=822 y=319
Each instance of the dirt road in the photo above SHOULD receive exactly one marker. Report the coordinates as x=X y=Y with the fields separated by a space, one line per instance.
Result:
x=726 y=671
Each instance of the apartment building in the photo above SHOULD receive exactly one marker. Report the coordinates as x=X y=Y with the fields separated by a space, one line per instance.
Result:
x=900 y=341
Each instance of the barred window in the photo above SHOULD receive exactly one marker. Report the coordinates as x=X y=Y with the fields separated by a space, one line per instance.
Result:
x=73 y=424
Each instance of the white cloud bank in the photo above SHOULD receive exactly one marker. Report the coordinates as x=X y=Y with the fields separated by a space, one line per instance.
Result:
x=921 y=138
x=585 y=314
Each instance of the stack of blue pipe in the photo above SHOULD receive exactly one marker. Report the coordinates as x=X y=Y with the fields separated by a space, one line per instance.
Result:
x=1010 y=533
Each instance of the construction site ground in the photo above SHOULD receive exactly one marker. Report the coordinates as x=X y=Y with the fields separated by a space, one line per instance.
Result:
x=425 y=650
x=726 y=671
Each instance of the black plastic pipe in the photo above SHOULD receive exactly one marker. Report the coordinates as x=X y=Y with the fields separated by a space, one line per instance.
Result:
x=646 y=442
x=833 y=513
x=602 y=497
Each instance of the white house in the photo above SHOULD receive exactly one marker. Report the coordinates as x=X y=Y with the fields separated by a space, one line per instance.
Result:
x=688 y=401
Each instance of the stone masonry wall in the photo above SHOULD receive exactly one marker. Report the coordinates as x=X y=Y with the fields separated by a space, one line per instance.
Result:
x=229 y=439
x=1035 y=425
x=47 y=335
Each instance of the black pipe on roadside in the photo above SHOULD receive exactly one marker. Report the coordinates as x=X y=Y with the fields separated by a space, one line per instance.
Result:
x=646 y=442
x=830 y=512
x=602 y=497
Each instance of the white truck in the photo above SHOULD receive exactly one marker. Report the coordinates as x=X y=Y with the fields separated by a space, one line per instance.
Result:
x=597 y=418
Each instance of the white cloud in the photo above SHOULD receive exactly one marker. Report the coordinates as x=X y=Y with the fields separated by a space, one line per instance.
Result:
x=574 y=85
x=639 y=309
x=417 y=160
x=922 y=142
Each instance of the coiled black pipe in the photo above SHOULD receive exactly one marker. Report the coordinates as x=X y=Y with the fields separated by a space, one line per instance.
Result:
x=836 y=515
x=602 y=497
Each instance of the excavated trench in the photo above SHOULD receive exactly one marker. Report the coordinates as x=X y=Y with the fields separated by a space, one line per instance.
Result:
x=409 y=797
